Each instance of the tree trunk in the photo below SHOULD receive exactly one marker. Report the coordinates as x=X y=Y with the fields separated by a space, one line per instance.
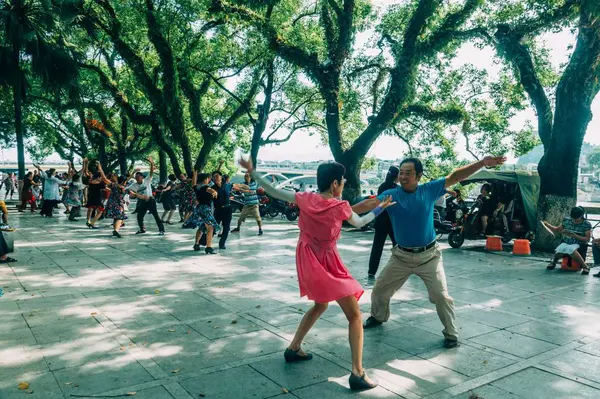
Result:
x=162 y=166
x=559 y=167
x=352 y=163
x=207 y=146
x=18 y=104
x=122 y=163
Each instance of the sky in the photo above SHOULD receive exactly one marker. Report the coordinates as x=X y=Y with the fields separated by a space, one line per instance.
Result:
x=303 y=147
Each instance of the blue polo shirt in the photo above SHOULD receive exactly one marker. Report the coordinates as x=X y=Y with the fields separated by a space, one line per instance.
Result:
x=412 y=216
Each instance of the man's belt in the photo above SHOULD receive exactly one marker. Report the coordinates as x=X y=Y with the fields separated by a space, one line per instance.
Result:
x=417 y=250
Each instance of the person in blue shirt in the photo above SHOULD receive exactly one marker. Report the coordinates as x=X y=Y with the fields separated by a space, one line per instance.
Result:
x=251 y=205
x=416 y=251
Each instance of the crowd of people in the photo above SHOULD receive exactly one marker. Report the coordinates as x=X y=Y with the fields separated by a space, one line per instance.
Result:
x=403 y=210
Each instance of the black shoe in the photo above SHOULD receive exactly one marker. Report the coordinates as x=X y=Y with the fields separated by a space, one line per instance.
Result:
x=209 y=251
x=371 y=276
x=597 y=274
x=161 y=233
x=236 y=230
x=371 y=323
x=260 y=232
x=222 y=247
x=450 y=343
x=585 y=271
x=196 y=247
x=91 y=226
x=360 y=383
x=116 y=234
x=140 y=232
x=72 y=220
x=551 y=267
x=292 y=356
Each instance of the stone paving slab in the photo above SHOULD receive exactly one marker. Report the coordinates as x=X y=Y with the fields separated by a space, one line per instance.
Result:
x=84 y=313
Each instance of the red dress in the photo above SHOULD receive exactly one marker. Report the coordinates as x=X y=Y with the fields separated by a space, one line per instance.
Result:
x=321 y=274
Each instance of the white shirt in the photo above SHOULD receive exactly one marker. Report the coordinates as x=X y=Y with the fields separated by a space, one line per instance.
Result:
x=144 y=188
x=441 y=202
x=51 y=188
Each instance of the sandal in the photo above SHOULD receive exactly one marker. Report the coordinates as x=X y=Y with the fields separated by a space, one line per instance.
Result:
x=8 y=260
x=551 y=266
x=585 y=271
x=292 y=356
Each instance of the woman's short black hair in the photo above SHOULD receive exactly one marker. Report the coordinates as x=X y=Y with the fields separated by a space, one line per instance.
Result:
x=487 y=186
x=577 y=212
x=172 y=177
x=415 y=161
x=202 y=176
x=329 y=172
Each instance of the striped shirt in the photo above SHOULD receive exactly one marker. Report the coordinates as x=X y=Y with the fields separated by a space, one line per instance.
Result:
x=251 y=198
x=578 y=228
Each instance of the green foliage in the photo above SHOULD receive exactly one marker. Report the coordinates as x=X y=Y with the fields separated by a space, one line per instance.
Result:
x=594 y=158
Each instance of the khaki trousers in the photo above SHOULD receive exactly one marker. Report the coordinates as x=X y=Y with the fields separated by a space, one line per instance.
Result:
x=429 y=267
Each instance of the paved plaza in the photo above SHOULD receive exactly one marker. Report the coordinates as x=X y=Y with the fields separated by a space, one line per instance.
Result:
x=88 y=315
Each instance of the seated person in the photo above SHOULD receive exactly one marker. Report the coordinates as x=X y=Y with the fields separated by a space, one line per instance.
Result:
x=489 y=206
x=576 y=232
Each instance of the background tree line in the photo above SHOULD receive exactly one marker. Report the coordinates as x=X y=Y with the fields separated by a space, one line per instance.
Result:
x=194 y=80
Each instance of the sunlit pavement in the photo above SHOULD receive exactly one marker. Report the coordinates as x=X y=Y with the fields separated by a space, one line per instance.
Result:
x=88 y=315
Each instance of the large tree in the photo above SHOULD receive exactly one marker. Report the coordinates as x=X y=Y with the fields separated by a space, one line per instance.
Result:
x=562 y=105
x=30 y=47
x=182 y=64
x=320 y=39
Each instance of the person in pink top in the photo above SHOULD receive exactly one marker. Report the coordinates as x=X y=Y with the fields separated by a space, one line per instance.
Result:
x=322 y=275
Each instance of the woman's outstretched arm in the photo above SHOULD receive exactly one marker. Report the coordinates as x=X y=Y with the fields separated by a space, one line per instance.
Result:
x=359 y=221
x=284 y=195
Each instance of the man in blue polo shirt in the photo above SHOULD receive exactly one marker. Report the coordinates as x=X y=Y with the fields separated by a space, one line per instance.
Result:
x=416 y=251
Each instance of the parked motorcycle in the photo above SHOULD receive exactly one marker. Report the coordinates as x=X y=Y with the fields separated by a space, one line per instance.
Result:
x=291 y=211
x=441 y=226
x=236 y=201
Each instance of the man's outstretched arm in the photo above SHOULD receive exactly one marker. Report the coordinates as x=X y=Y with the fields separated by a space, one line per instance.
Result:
x=366 y=205
x=463 y=173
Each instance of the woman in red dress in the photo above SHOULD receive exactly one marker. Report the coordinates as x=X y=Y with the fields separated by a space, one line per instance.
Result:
x=321 y=274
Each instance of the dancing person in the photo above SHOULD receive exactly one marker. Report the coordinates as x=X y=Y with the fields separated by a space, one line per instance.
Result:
x=115 y=206
x=187 y=198
x=203 y=217
x=142 y=190
x=73 y=192
x=416 y=251
x=576 y=232
x=96 y=186
x=223 y=212
x=383 y=225
x=36 y=190
x=26 y=194
x=251 y=207
x=168 y=200
x=322 y=276
x=51 y=193
x=9 y=185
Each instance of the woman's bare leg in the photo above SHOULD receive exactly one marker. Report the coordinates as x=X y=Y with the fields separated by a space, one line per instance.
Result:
x=309 y=319
x=351 y=309
x=209 y=235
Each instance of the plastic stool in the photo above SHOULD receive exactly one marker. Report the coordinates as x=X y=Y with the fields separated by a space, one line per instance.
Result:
x=570 y=264
x=493 y=243
x=522 y=248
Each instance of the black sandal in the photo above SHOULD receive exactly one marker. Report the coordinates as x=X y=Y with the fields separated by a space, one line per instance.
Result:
x=8 y=260
x=551 y=266
x=292 y=356
x=585 y=271
x=360 y=383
